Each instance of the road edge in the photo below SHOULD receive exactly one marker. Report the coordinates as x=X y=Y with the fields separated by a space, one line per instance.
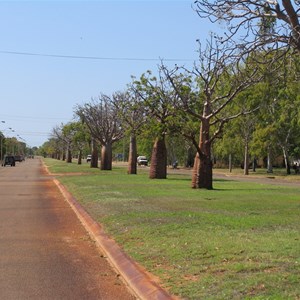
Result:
x=141 y=282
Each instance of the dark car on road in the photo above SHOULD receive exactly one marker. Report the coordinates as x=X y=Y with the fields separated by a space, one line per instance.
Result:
x=9 y=160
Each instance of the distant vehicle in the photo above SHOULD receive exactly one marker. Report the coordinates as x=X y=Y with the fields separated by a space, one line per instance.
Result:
x=8 y=160
x=89 y=158
x=19 y=158
x=142 y=161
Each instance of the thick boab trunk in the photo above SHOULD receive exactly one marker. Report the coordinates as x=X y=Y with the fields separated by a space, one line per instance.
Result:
x=106 y=157
x=158 y=167
x=132 y=168
x=58 y=155
x=80 y=157
x=69 y=156
x=94 y=160
x=202 y=171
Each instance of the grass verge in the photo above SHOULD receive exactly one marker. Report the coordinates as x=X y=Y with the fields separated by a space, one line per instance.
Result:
x=238 y=241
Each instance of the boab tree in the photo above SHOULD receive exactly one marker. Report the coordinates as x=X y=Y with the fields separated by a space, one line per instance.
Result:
x=64 y=142
x=101 y=117
x=216 y=82
x=159 y=101
x=258 y=23
x=132 y=113
x=73 y=136
x=80 y=137
x=51 y=148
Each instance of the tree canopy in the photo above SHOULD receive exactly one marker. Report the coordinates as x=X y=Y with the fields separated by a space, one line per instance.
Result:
x=254 y=24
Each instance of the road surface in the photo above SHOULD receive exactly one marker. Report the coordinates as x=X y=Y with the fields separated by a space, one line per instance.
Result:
x=45 y=253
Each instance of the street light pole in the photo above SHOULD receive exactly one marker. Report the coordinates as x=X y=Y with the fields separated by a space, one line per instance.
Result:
x=1 y=144
x=1 y=149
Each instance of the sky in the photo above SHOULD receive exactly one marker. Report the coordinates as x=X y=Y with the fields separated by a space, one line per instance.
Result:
x=55 y=55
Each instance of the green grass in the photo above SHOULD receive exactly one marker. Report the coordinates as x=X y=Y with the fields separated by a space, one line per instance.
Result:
x=238 y=241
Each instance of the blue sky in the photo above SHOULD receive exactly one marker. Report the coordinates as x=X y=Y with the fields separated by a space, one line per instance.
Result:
x=57 y=54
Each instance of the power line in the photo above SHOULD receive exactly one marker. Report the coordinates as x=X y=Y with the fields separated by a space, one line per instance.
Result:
x=94 y=57
x=31 y=118
x=34 y=133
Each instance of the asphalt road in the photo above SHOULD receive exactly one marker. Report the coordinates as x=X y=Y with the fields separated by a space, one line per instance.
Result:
x=45 y=253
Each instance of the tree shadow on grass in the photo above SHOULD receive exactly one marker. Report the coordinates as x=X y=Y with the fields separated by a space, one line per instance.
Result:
x=177 y=178
x=183 y=178
x=224 y=180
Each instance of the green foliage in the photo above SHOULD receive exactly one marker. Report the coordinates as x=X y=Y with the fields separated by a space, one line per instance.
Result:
x=180 y=149
x=157 y=102
x=276 y=123
x=154 y=106
x=231 y=143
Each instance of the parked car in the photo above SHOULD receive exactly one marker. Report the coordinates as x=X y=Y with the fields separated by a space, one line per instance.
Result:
x=89 y=158
x=142 y=161
x=8 y=160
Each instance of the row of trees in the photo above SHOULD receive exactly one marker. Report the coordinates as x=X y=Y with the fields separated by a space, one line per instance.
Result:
x=217 y=109
x=12 y=146
x=236 y=91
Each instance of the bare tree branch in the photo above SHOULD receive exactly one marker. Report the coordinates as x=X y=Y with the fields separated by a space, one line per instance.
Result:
x=246 y=18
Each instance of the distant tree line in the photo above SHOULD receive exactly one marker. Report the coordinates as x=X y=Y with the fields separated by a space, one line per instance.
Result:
x=13 y=146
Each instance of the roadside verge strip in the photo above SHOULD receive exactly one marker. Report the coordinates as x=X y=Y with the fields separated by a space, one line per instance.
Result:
x=141 y=282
